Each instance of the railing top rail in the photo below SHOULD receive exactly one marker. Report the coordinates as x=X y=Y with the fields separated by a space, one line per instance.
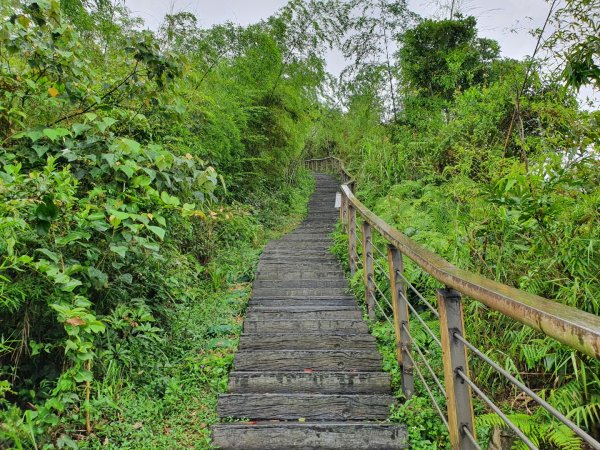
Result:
x=350 y=178
x=571 y=326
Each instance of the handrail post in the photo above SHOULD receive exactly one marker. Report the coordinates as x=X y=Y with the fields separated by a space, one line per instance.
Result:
x=458 y=393
x=345 y=204
x=401 y=321
x=368 y=269
x=352 y=255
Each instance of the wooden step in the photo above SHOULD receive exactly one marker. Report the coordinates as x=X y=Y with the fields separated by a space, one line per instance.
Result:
x=339 y=283
x=299 y=314
x=305 y=326
x=314 y=341
x=298 y=292
x=305 y=406
x=310 y=436
x=309 y=382
x=298 y=274
x=300 y=308
x=294 y=302
x=292 y=360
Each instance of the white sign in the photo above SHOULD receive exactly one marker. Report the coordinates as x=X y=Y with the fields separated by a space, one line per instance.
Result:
x=338 y=200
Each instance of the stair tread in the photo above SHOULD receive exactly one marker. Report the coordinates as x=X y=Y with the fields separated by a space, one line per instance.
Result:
x=310 y=436
x=306 y=352
x=322 y=382
x=306 y=406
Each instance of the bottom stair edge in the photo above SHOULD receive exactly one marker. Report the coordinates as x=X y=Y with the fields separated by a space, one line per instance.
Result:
x=309 y=435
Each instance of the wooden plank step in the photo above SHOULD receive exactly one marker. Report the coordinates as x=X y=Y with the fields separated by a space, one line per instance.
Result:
x=292 y=360
x=301 y=284
x=302 y=274
x=302 y=341
x=298 y=314
x=305 y=326
x=315 y=382
x=293 y=301
x=305 y=406
x=298 y=307
x=310 y=436
x=295 y=292
x=292 y=259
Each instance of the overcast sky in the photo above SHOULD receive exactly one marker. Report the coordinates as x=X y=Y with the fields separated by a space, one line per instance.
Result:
x=506 y=21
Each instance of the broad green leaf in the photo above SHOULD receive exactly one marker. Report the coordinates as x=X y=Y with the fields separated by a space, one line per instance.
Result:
x=96 y=327
x=160 y=232
x=40 y=149
x=110 y=158
x=127 y=170
x=80 y=128
x=142 y=181
x=52 y=255
x=70 y=284
x=54 y=133
x=169 y=199
x=131 y=145
x=119 y=250
x=105 y=123
x=83 y=375
x=73 y=236
x=47 y=211
x=119 y=214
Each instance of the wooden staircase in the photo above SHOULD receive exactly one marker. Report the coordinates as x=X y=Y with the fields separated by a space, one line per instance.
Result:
x=307 y=374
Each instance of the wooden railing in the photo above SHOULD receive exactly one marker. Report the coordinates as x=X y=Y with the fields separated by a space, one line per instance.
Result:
x=573 y=327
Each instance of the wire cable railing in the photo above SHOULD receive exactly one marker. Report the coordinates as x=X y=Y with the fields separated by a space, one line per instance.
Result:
x=575 y=328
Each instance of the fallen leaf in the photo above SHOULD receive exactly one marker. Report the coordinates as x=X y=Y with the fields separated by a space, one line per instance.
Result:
x=52 y=91
x=308 y=371
x=137 y=425
x=189 y=156
x=301 y=420
x=75 y=321
x=167 y=430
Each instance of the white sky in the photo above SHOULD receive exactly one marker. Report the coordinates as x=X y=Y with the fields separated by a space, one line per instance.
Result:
x=506 y=21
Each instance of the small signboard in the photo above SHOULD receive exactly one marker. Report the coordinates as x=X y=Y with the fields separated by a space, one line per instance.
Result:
x=338 y=200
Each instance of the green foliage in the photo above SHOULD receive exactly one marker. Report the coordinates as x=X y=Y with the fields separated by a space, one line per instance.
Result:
x=441 y=57
x=498 y=180
x=125 y=174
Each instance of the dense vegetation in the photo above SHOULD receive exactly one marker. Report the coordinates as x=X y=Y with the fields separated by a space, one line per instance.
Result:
x=139 y=175
x=491 y=164
x=141 y=172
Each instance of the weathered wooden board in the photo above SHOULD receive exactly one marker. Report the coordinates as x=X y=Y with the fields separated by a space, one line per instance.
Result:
x=297 y=292
x=310 y=436
x=305 y=406
x=277 y=274
x=314 y=382
x=305 y=326
x=300 y=308
x=296 y=314
x=280 y=360
x=302 y=284
x=300 y=302
x=298 y=341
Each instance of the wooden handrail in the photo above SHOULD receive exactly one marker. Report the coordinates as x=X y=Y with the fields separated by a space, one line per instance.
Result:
x=347 y=177
x=571 y=326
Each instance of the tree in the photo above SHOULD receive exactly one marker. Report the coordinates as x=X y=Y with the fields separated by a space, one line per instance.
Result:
x=576 y=42
x=373 y=26
x=441 y=57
